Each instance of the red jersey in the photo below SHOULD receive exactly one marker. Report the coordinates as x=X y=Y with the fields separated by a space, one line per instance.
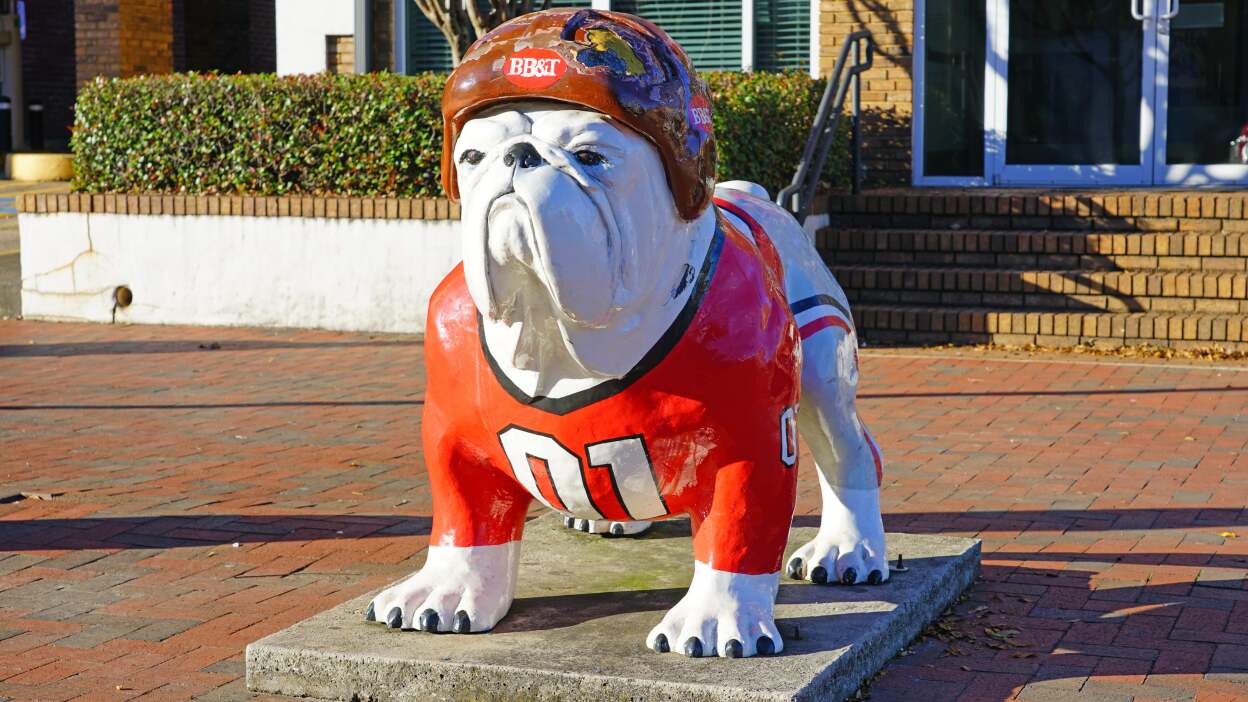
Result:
x=705 y=424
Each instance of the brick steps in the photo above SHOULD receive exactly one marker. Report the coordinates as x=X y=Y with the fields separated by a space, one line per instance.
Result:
x=940 y=324
x=1049 y=268
x=1110 y=291
x=1038 y=250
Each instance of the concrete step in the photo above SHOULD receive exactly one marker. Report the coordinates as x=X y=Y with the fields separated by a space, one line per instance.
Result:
x=1037 y=209
x=1036 y=250
x=940 y=324
x=1086 y=290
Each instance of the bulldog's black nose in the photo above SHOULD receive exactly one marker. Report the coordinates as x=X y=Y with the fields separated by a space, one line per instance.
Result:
x=524 y=152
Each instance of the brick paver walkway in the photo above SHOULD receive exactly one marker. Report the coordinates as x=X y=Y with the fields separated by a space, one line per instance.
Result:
x=189 y=490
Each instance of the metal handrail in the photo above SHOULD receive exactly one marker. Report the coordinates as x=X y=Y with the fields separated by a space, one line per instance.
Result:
x=797 y=197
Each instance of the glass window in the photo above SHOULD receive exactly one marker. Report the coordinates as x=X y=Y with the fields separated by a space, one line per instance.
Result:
x=782 y=35
x=709 y=30
x=427 y=49
x=1075 y=72
x=1208 y=106
x=953 y=93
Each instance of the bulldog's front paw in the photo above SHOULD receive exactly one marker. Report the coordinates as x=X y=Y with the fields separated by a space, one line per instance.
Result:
x=459 y=589
x=606 y=526
x=849 y=548
x=725 y=614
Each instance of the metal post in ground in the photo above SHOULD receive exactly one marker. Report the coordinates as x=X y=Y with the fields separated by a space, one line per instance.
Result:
x=34 y=125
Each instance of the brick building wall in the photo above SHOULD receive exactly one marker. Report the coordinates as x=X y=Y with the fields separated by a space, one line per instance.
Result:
x=340 y=53
x=97 y=39
x=122 y=37
x=381 y=46
x=48 y=60
x=73 y=41
x=887 y=87
x=262 y=36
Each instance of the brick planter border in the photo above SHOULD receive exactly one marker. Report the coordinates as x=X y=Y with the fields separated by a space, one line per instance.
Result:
x=330 y=207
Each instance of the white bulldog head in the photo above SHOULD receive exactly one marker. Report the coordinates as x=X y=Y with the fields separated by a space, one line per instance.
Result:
x=569 y=230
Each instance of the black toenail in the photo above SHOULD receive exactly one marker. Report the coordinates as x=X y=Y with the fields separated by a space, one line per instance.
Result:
x=733 y=649
x=371 y=614
x=819 y=575
x=569 y=522
x=849 y=577
x=875 y=577
x=462 y=624
x=617 y=529
x=765 y=646
x=660 y=644
x=693 y=648
x=394 y=618
x=795 y=569
x=428 y=621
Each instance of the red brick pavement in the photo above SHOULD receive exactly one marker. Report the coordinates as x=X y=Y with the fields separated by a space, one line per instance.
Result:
x=203 y=496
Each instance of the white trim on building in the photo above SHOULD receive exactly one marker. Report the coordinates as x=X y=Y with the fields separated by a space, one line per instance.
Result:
x=301 y=27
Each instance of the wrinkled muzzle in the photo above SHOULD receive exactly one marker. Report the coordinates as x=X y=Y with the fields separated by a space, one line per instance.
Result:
x=538 y=233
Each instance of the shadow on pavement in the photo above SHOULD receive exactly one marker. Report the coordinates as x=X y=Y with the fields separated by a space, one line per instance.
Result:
x=191 y=531
x=1048 y=393
x=109 y=348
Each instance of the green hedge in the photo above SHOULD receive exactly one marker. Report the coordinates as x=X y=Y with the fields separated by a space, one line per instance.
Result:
x=761 y=124
x=375 y=134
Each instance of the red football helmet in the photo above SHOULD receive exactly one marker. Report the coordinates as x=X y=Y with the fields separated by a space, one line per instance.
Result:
x=611 y=62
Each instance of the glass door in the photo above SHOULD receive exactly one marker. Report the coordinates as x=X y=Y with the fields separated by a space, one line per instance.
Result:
x=1202 y=88
x=1075 y=91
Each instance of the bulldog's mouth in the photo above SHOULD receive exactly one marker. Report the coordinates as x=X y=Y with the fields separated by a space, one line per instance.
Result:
x=509 y=224
x=519 y=245
x=509 y=255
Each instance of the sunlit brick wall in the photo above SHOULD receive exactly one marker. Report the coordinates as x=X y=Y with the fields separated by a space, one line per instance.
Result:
x=887 y=88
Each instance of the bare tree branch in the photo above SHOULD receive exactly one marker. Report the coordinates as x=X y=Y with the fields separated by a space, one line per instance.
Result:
x=463 y=21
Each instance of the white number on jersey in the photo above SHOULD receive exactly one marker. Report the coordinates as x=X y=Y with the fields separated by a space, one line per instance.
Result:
x=626 y=459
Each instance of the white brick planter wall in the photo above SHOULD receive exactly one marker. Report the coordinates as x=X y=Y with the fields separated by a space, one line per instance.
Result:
x=351 y=273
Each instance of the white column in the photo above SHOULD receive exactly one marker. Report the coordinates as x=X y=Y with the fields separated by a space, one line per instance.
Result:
x=601 y=4
x=747 y=35
x=400 y=36
x=814 y=38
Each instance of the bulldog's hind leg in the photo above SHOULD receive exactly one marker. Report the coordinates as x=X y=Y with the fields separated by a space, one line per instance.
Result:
x=849 y=547
x=729 y=609
x=469 y=578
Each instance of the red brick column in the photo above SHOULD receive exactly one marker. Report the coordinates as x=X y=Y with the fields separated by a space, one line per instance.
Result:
x=123 y=37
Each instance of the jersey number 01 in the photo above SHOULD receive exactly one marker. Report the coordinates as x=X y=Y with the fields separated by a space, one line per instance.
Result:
x=555 y=475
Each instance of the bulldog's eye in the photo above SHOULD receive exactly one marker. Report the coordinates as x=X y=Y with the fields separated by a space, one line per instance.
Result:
x=471 y=157
x=590 y=158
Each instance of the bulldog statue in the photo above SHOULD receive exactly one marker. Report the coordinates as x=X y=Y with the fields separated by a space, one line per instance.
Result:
x=624 y=342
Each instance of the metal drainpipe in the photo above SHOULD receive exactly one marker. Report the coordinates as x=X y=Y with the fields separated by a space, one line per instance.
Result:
x=363 y=34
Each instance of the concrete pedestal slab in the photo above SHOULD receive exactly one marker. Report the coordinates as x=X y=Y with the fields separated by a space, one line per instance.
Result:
x=576 y=632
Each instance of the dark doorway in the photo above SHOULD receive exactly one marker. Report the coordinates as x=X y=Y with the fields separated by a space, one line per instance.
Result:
x=226 y=36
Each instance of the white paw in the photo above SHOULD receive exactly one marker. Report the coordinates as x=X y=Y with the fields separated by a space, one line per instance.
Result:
x=849 y=548
x=460 y=589
x=726 y=614
x=606 y=526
